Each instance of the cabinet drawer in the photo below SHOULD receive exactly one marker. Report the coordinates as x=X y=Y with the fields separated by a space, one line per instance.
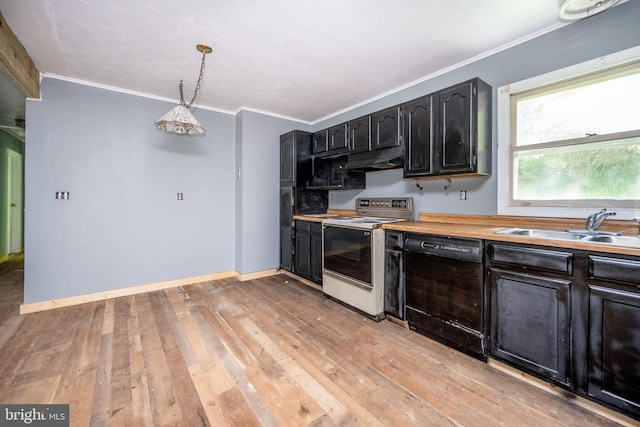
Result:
x=545 y=259
x=394 y=239
x=625 y=270
x=303 y=226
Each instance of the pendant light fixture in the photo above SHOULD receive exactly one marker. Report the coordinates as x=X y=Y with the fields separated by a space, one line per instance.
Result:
x=574 y=10
x=180 y=120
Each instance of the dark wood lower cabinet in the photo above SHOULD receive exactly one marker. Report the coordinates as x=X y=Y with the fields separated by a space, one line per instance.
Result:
x=308 y=253
x=286 y=228
x=316 y=252
x=530 y=324
x=614 y=332
x=303 y=249
x=614 y=347
x=568 y=316
x=394 y=287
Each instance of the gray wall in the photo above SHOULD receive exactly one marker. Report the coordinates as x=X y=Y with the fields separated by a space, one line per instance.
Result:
x=123 y=225
x=257 y=216
x=614 y=30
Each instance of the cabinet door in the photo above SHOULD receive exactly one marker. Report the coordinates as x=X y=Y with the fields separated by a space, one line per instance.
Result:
x=614 y=347
x=287 y=159
x=316 y=252
x=286 y=229
x=338 y=138
x=386 y=128
x=530 y=325
x=303 y=253
x=456 y=140
x=394 y=288
x=320 y=141
x=418 y=137
x=360 y=135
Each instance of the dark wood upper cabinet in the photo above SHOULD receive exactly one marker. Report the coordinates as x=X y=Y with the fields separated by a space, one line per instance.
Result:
x=418 y=137
x=449 y=132
x=464 y=129
x=338 y=138
x=287 y=159
x=295 y=198
x=320 y=141
x=376 y=141
x=360 y=135
x=386 y=128
x=455 y=139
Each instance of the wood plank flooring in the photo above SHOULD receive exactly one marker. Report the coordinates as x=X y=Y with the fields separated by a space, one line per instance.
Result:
x=266 y=352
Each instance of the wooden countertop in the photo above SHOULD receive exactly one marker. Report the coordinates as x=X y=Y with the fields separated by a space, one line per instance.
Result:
x=485 y=227
x=333 y=212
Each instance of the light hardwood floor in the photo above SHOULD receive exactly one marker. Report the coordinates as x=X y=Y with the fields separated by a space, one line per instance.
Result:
x=268 y=352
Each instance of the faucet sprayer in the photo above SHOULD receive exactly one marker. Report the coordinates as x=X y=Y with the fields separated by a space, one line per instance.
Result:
x=594 y=220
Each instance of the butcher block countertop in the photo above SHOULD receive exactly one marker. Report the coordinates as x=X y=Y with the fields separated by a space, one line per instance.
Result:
x=486 y=226
x=330 y=213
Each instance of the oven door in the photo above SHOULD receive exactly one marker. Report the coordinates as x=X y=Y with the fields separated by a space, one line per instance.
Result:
x=347 y=253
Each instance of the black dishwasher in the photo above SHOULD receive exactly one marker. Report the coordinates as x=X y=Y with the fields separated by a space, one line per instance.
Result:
x=445 y=294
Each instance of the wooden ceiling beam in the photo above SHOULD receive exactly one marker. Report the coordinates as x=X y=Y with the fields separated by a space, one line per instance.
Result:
x=16 y=64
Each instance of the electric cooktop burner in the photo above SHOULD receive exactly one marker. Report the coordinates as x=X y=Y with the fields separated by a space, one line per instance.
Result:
x=373 y=212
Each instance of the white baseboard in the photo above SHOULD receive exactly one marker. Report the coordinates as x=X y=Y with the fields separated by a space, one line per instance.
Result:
x=564 y=394
x=256 y=275
x=115 y=293
x=133 y=290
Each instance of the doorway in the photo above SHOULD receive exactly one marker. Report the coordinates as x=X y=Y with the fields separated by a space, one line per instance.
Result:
x=15 y=211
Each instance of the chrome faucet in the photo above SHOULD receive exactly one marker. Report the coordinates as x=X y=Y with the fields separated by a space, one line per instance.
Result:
x=594 y=220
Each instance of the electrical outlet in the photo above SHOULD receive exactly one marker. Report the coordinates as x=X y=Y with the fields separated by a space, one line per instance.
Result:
x=62 y=195
x=463 y=194
x=179 y=196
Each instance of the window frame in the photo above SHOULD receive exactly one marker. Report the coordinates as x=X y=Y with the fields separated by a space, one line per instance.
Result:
x=506 y=114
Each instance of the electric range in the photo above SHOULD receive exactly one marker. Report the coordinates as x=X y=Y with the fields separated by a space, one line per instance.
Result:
x=353 y=253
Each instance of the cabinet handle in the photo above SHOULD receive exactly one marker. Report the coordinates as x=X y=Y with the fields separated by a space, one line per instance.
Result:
x=424 y=245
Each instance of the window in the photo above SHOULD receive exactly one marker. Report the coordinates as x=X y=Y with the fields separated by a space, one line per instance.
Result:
x=570 y=141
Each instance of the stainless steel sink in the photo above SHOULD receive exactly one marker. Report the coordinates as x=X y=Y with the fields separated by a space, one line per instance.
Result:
x=575 y=235
x=542 y=234
x=631 y=241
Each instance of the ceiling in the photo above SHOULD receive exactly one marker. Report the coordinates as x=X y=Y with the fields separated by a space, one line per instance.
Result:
x=303 y=59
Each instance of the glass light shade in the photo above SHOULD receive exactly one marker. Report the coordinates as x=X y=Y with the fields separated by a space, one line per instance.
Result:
x=573 y=10
x=180 y=120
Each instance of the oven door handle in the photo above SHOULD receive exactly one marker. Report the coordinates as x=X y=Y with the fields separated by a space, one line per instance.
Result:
x=425 y=245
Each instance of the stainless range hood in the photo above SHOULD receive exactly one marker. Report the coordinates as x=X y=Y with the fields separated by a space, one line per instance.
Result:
x=385 y=158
